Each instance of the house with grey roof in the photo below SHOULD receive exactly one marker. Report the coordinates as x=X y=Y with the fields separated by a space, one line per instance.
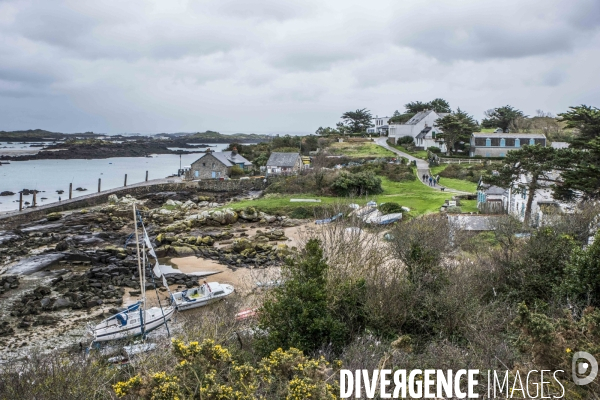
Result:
x=498 y=144
x=421 y=127
x=284 y=163
x=217 y=164
x=380 y=126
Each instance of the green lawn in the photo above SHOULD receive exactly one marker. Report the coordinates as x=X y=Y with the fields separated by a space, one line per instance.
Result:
x=422 y=154
x=457 y=184
x=421 y=199
x=468 y=206
x=359 y=150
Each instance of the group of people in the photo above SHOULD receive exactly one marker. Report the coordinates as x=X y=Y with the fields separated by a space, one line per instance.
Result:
x=431 y=179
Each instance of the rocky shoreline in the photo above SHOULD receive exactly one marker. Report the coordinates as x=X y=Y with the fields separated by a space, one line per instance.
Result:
x=81 y=264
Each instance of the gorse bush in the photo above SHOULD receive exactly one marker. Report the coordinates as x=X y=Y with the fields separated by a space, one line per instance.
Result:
x=208 y=370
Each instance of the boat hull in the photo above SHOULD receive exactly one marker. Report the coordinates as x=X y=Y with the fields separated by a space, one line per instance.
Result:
x=154 y=318
x=182 y=305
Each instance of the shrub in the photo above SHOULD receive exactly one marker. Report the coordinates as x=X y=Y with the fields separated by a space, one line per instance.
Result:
x=390 y=208
x=361 y=183
x=435 y=150
x=299 y=312
x=406 y=141
x=236 y=172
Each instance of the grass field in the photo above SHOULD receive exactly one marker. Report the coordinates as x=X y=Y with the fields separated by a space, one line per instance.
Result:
x=457 y=184
x=422 y=154
x=359 y=149
x=421 y=199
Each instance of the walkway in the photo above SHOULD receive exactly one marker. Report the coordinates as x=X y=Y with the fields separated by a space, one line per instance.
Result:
x=422 y=165
x=49 y=206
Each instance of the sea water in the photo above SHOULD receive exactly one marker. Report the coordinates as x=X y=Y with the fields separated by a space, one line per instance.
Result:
x=48 y=176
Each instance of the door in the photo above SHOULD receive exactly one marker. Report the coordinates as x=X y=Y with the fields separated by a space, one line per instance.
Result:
x=196 y=173
x=214 y=175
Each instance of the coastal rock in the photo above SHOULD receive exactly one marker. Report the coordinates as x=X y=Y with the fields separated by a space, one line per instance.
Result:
x=7 y=193
x=54 y=216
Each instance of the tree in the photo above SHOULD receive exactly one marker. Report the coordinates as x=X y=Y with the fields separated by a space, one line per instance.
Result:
x=501 y=117
x=534 y=162
x=580 y=164
x=415 y=107
x=357 y=121
x=586 y=120
x=298 y=313
x=438 y=105
x=455 y=127
x=358 y=184
x=400 y=118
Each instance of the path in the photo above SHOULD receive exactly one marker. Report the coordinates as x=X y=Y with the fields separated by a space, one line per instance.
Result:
x=422 y=165
x=116 y=190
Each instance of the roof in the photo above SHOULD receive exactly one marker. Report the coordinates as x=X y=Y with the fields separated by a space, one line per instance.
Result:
x=227 y=158
x=283 y=159
x=423 y=133
x=494 y=190
x=510 y=135
x=418 y=117
x=560 y=145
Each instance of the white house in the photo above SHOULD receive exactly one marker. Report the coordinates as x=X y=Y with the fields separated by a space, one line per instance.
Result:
x=421 y=128
x=493 y=199
x=381 y=126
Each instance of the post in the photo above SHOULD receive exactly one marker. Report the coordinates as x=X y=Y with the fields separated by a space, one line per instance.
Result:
x=70 y=191
x=146 y=176
x=99 y=183
x=20 y=201
x=34 y=198
x=125 y=184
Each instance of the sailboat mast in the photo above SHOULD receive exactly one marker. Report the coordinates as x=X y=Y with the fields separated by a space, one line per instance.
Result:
x=140 y=272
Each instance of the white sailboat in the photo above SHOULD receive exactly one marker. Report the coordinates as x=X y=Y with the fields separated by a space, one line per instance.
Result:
x=208 y=293
x=136 y=320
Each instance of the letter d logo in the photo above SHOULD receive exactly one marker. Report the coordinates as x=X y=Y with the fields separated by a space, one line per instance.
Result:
x=581 y=368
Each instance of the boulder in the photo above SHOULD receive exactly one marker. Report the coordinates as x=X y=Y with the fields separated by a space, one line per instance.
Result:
x=182 y=251
x=55 y=216
x=61 y=303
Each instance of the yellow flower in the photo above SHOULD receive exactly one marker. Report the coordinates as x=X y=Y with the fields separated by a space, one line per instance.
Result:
x=568 y=350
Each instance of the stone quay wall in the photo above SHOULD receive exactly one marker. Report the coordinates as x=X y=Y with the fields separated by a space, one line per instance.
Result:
x=209 y=187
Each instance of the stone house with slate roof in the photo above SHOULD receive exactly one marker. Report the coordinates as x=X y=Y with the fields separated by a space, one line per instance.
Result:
x=216 y=165
x=284 y=163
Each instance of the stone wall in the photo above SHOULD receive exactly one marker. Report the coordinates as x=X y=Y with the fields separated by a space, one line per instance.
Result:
x=209 y=187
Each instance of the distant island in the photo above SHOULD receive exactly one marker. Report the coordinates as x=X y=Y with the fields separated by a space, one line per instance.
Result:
x=216 y=137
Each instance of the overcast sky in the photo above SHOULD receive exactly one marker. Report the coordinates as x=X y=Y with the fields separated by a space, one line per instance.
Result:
x=276 y=66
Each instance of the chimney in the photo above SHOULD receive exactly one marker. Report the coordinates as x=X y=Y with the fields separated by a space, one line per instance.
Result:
x=234 y=152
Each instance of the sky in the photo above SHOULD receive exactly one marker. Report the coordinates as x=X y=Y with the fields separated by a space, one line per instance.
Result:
x=273 y=66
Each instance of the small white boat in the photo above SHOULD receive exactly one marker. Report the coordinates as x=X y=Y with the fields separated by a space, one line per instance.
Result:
x=208 y=293
x=132 y=322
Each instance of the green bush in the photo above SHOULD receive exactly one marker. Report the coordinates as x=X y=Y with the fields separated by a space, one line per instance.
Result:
x=406 y=141
x=359 y=184
x=390 y=208
x=299 y=312
x=435 y=150
x=236 y=172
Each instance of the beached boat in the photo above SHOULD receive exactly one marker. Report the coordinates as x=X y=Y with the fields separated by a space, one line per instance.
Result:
x=132 y=322
x=135 y=320
x=208 y=293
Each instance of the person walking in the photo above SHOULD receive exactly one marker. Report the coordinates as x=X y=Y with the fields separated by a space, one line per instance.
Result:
x=423 y=178
x=430 y=181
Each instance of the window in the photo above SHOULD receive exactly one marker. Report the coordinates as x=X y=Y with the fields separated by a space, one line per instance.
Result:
x=502 y=154
x=531 y=142
x=488 y=142
x=433 y=135
x=517 y=143
x=213 y=165
x=204 y=164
